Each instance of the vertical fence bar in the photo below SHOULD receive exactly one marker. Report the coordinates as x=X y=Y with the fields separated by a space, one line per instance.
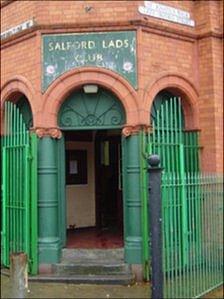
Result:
x=167 y=138
x=158 y=134
x=21 y=184
x=9 y=199
x=155 y=226
x=162 y=139
x=172 y=141
x=4 y=194
x=171 y=232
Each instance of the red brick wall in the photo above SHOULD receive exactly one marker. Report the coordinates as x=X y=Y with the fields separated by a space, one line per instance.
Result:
x=210 y=19
x=164 y=48
x=20 y=59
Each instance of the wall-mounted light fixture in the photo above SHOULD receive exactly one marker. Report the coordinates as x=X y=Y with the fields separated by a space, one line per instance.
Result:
x=90 y=88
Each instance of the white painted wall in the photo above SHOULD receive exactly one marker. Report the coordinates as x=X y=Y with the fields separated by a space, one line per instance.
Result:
x=81 y=198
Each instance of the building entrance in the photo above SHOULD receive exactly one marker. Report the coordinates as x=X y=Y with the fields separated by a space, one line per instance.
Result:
x=92 y=211
x=94 y=214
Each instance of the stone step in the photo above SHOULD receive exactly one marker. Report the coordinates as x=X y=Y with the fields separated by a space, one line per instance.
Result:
x=91 y=268
x=92 y=255
x=121 y=279
x=110 y=279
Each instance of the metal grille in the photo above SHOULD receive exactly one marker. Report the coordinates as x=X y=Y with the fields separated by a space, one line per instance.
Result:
x=178 y=149
x=19 y=222
x=192 y=207
x=199 y=268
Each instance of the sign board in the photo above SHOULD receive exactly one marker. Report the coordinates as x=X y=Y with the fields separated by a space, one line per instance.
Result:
x=111 y=50
x=165 y=12
x=23 y=26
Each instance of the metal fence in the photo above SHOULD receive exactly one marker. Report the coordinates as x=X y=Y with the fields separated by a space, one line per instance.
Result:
x=192 y=233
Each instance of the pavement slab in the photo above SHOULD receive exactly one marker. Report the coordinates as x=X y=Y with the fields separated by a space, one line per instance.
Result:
x=63 y=290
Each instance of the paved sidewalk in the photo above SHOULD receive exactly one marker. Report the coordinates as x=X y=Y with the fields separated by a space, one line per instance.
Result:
x=61 y=290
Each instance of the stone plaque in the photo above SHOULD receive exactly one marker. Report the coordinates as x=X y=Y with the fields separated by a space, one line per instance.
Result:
x=111 y=50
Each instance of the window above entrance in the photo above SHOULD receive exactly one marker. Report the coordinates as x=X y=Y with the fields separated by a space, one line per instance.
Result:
x=101 y=110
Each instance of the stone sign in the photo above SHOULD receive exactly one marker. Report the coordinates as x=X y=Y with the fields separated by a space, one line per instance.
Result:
x=111 y=50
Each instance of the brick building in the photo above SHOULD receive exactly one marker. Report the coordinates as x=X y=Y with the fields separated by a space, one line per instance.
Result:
x=87 y=76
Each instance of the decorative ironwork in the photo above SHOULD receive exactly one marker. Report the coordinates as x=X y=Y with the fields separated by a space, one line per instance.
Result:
x=99 y=110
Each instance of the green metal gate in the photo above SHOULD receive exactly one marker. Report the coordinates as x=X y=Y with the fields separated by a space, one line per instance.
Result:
x=178 y=150
x=19 y=188
x=179 y=153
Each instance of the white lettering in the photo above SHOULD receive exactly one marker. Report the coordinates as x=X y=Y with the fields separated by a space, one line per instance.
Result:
x=26 y=25
x=166 y=12
x=50 y=46
x=88 y=58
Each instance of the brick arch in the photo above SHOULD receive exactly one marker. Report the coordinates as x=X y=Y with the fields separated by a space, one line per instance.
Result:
x=74 y=79
x=16 y=86
x=180 y=86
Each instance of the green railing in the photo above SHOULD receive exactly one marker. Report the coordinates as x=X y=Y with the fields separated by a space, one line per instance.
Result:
x=193 y=260
x=19 y=189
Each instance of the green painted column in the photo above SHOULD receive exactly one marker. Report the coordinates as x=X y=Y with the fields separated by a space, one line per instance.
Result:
x=48 y=241
x=61 y=190
x=132 y=200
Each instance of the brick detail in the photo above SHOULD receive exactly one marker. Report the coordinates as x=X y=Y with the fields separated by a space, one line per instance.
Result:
x=185 y=60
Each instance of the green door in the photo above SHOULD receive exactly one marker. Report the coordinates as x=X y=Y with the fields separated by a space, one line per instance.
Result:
x=19 y=188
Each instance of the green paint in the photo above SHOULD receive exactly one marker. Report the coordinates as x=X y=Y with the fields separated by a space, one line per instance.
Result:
x=111 y=50
x=61 y=190
x=132 y=200
x=19 y=210
x=144 y=199
x=49 y=243
x=33 y=204
x=191 y=275
x=191 y=220
x=25 y=110
x=91 y=111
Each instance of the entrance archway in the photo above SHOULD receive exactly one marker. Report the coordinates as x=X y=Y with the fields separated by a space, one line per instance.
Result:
x=91 y=146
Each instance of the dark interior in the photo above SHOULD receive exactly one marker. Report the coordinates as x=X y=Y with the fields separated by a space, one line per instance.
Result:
x=108 y=232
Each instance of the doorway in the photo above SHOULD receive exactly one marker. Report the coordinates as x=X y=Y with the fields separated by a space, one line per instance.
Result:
x=93 y=189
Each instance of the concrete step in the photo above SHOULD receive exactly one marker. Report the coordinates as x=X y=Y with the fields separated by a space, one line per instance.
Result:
x=115 y=279
x=110 y=279
x=90 y=268
x=92 y=255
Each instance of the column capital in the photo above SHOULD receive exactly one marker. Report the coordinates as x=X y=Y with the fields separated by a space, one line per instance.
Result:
x=133 y=130
x=53 y=132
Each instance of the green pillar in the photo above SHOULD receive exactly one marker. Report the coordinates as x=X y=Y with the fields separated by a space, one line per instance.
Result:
x=132 y=200
x=61 y=190
x=48 y=241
